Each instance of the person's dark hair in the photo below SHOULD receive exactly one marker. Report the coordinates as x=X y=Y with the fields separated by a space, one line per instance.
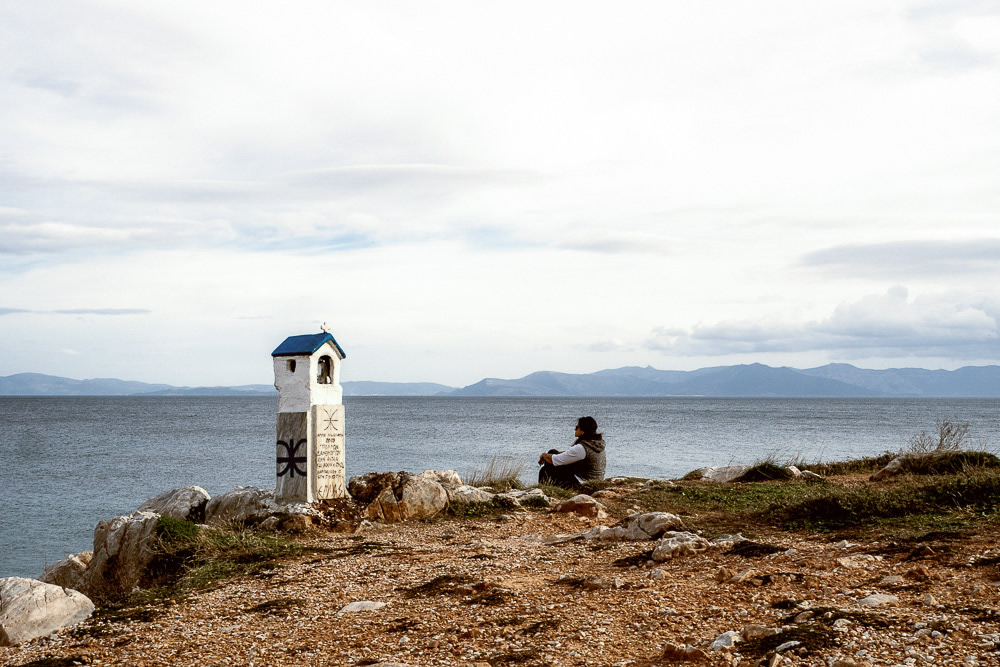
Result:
x=589 y=427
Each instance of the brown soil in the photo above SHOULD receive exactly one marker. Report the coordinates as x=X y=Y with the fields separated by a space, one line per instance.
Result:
x=483 y=592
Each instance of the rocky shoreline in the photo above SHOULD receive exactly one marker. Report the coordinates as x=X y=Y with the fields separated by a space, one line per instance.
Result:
x=591 y=580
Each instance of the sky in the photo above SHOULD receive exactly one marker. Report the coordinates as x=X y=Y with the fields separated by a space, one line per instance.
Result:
x=464 y=190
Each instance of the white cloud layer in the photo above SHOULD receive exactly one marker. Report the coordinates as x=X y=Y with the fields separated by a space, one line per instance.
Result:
x=466 y=190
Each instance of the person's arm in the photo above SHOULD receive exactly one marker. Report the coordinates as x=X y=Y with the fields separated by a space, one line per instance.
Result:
x=571 y=455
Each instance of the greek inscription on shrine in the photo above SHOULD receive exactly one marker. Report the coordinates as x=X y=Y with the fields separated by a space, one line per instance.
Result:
x=328 y=424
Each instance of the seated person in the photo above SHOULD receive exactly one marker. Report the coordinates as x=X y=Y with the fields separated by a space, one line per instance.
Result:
x=581 y=462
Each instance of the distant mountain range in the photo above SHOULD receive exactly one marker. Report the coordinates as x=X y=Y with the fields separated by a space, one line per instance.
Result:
x=832 y=380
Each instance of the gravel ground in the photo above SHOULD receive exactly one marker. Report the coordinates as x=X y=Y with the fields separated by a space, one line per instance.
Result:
x=488 y=592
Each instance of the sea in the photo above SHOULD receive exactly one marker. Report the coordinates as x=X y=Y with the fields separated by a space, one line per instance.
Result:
x=68 y=462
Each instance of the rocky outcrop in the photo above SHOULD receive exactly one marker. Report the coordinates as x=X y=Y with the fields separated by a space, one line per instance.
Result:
x=123 y=549
x=68 y=573
x=398 y=496
x=186 y=504
x=31 y=609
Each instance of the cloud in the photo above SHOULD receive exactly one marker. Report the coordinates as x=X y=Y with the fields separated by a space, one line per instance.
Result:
x=886 y=325
x=908 y=258
x=614 y=243
x=104 y=311
x=439 y=177
x=80 y=311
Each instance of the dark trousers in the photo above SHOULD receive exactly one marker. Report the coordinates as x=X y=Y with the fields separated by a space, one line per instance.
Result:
x=557 y=475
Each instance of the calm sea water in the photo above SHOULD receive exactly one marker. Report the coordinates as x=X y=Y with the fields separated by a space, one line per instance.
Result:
x=66 y=463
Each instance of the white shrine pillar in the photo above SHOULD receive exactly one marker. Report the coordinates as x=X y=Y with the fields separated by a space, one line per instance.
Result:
x=310 y=427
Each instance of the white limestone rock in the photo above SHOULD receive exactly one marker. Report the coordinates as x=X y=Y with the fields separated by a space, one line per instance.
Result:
x=361 y=605
x=123 y=550
x=247 y=505
x=754 y=632
x=651 y=525
x=726 y=640
x=467 y=495
x=675 y=544
x=534 y=497
x=894 y=467
x=727 y=541
x=604 y=534
x=30 y=609
x=68 y=573
x=442 y=477
x=186 y=504
x=722 y=474
x=878 y=600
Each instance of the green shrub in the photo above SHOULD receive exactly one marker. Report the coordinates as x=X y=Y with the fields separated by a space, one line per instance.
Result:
x=833 y=506
x=950 y=463
x=865 y=465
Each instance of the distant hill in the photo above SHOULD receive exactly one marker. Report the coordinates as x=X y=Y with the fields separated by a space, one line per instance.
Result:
x=37 y=384
x=365 y=388
x=832 y=380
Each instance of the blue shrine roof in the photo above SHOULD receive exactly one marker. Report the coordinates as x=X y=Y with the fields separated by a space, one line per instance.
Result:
x=296 y=346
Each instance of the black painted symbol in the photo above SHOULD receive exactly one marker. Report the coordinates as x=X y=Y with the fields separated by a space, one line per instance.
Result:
x=291 y=461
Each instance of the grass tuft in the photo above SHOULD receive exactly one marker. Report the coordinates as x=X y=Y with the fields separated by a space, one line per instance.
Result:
x=502 y=473
x=495 y=506
x=555 y=491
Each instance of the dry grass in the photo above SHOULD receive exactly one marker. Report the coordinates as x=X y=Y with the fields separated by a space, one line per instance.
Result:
x=502 y=473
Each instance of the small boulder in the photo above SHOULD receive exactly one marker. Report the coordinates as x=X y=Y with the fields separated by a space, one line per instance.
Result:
x=186 y=504
x=30 y=609
x=651 y=525
x=582 y=505
x=878 y=600
x=531 y=497
x=726 y=640
x=361 y=605
x=894 y=467
x=68 y=572
x=722 y=474
x=604 y=534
